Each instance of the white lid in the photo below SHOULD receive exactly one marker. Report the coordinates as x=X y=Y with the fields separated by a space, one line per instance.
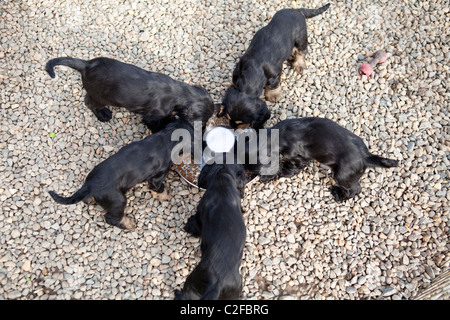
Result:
x=220 y=139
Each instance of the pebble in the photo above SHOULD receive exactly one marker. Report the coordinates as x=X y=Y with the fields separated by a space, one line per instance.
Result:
x=350 y=290
x=361 y=280
x=59 y=239
x=290 y=238
x=26 y=265
x=388 y=292
x=263 y=240
x=155 y=262
x=15 y=233
x=430 y=272
x=389 y=242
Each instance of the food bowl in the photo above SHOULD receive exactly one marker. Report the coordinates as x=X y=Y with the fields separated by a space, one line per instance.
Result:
x=219 y=138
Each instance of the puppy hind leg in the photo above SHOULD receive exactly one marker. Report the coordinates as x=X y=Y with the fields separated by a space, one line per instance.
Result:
x=300 y=50
x=347 y=183
x=272 y=91
x=102 y=113
x=179 y=295
x=114 y=204
x=299 y=61
x=157 y=188
x=292 y=56
x=212 y=292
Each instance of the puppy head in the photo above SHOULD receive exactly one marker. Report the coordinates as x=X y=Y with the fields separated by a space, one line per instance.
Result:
x=244 y=111
x=200 y=110
x=202 y=180
x=210 y=171
x=214 y=171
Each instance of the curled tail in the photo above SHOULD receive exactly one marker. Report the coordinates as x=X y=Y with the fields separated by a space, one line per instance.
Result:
x=77 y=64
x=376 y=161
x=78 y=196
x=309 y=13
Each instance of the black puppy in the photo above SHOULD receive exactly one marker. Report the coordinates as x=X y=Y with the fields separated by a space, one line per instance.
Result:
x=260 y=67
x=322 y=140
x=154 y=95
x=145 y=160
x=221 y=226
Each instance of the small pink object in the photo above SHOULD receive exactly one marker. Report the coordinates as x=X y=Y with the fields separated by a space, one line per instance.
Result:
x=367 y=68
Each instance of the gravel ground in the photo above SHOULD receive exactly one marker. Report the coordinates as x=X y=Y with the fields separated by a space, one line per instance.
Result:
x=389 y=242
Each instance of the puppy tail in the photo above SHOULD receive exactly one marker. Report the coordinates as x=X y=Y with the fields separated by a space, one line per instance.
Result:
x=78 y=196
x=376 y=161
x=309 y=13
x=77 y=64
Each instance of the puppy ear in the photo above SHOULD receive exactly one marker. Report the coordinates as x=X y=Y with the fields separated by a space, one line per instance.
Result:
x=262 y=114
x=240 y=84
x=264 y=111
x=203 y=177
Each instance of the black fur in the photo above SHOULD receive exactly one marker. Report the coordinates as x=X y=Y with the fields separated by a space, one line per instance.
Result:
x=156 y=96
x=322 y=140
x=244 y=110
x=145 y=160
x=220 y=225
x=261 y=66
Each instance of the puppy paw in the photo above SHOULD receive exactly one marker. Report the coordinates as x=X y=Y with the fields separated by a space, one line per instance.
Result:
x=293 y=54
x=163 y=196
x=265 y=179
x=299 y=68
x=128 y=223
x=273 y=95
x=179 y=295
x=337 y=193
x=288 y=173
x=103 y=115
x=191 y=227
x=125 y=223
x=299 y=62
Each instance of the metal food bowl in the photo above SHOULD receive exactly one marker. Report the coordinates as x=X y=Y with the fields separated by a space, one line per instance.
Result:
x=191 y=171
